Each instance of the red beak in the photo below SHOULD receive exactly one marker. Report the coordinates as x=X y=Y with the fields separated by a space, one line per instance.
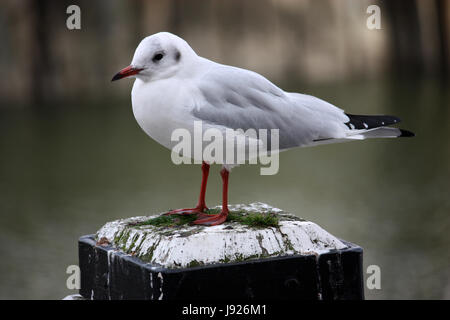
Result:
x=126 y=72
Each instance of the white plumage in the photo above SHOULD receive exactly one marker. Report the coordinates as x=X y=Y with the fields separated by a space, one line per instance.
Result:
x=183 y=87
x=175 y=88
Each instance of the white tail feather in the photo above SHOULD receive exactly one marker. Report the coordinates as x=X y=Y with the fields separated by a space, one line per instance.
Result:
x=355 y=135
x=381 y=132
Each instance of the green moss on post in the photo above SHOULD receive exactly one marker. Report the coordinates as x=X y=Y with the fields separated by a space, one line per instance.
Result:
x=167 y=221
x=248 y=218
x=251 y=231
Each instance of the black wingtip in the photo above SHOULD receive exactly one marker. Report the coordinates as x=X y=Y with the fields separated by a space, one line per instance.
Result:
x=370 y=122
x=406 y=133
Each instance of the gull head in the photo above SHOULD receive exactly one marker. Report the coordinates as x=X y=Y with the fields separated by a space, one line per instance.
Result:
x=159 y=56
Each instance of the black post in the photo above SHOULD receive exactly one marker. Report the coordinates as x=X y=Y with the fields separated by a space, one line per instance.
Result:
x=122 y=271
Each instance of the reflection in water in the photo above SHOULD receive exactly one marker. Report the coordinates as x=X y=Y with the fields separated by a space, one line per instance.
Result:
x=65 y=172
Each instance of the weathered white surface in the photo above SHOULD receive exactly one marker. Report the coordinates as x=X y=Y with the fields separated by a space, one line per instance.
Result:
x=188 y=245
x=74 y=297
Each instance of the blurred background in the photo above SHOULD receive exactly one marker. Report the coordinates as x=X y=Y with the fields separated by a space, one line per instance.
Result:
x=72 y=157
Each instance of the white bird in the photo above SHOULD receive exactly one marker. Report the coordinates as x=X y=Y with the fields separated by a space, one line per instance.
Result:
x=175 y=87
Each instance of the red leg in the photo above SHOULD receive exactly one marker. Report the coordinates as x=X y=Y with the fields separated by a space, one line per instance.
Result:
x=201 y=205
x=222 y=216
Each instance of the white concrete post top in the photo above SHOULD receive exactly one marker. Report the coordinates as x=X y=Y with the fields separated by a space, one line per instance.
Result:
x=253 y=231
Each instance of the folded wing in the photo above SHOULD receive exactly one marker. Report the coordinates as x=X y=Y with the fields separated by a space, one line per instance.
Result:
x=241 y=99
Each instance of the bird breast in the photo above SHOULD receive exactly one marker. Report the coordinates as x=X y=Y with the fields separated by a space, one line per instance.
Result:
x=161 y=107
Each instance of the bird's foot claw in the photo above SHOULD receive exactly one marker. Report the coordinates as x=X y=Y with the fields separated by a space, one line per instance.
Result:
x=211 y=219
x=190 y=211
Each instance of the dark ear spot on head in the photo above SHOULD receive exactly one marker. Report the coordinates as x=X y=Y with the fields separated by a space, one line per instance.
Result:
x=177 y=55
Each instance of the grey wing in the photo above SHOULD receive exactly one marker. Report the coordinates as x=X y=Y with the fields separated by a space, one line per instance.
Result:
x=240 y=99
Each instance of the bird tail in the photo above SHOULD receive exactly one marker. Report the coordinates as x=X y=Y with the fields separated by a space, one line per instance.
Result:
x=363 y=127
x=381 y=132
x=368 y=127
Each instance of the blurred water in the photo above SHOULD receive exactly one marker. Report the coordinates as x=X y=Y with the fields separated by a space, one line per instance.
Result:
x=65 y=171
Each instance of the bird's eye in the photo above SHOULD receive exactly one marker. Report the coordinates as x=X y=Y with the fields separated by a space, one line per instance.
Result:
x=157 y=57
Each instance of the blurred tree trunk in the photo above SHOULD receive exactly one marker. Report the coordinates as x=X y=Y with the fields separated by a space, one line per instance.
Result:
x=175 y=16
x=41 y=66
x=137 y=7
x=406 y=43
x=443 y=9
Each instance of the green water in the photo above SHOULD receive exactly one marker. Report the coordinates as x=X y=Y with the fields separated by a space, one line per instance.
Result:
x=65 y=171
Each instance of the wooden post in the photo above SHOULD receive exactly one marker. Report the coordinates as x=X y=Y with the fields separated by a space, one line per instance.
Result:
x=262 y=253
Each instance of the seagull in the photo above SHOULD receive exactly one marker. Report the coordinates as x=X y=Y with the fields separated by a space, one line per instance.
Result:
x=175 y=87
